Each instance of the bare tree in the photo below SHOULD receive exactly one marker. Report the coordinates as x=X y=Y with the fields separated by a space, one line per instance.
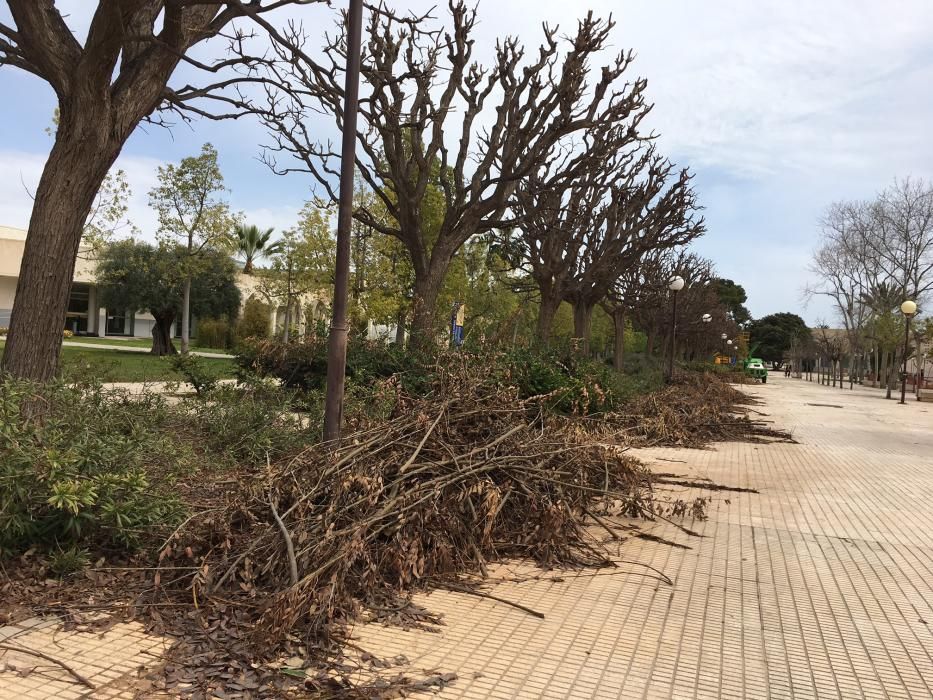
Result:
x=844 y=266
x=444 y=141
x=118 y=77
x=641 y=295
x=579 y=237
x=902 y=218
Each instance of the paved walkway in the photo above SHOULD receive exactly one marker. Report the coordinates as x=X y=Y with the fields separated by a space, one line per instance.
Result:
x=819 y=586
x=117 y=345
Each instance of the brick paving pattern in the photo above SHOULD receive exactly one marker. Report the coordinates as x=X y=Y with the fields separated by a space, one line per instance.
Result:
x=820 y=586
x=109 y=660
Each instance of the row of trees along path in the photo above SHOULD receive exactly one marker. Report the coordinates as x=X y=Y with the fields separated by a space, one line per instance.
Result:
x=543 y=150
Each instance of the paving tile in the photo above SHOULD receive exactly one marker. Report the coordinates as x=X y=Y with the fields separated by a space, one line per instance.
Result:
x=812 y=588
x=818 y=586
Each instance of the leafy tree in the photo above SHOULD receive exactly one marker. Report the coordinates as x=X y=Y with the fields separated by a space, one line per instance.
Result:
x=774 y=334
x=186 y=200
x=252 y=244
x=108 y=77
x=145 y=278
x=254 y=320
x=302 y=263
x=733 y=298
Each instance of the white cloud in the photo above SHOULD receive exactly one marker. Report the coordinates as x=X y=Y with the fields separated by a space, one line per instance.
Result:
x=23 y=171
x=781 y=107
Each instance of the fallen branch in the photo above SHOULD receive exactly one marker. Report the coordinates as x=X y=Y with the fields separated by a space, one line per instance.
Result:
x=471 y=591
x=31 y=652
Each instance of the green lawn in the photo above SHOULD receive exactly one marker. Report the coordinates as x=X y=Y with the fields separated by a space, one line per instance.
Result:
x=134 y=343
x=127 y=366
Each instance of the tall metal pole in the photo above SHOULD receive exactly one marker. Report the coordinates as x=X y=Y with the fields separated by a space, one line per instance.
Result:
x=670 y=359
x=904 y=372
x=337 y=340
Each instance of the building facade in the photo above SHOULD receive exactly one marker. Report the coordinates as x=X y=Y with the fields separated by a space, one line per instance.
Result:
x=86 y=316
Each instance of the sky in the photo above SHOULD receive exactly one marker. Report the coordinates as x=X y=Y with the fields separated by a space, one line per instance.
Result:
x=779 y=108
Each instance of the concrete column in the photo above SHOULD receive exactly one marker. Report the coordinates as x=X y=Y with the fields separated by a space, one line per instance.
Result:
x=93 y=311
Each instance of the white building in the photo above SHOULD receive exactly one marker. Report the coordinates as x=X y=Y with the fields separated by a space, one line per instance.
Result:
x=85 y=315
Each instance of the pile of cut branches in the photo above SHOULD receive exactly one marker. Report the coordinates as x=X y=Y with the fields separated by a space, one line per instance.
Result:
x=468 y=475
x=693 y=411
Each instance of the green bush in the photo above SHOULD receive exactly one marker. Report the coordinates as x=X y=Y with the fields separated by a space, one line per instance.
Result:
x=573 y=384
x=80 y=475
x=214 y=333
x=254 y=321
x=196 y=372
x=247 y=426
x=303 y=365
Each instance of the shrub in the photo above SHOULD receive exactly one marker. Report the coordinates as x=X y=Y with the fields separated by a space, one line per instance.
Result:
x=214 y=333
x=254 y=321
x=67 y=334
x=303 y=365
x=79 y=477
x=195 y=372
x=247 y=426
x=573 y=384
x=4 y=330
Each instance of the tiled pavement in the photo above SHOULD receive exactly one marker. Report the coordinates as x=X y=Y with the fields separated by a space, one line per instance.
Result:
x=108 y=660
x=819 y=586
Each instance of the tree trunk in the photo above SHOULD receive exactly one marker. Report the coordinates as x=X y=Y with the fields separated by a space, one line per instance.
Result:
x=424 y=306
x=582 y=325
x=288 y=320
x=618 y=348
x=400 y=328
x=550 y=303
x=162 y=336
x=186 y=316
x=891 y=370
x=77 y=165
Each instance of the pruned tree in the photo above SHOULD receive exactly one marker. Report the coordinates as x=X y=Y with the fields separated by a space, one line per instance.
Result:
x=434 y=120
x=106 y=85
x=578 y=237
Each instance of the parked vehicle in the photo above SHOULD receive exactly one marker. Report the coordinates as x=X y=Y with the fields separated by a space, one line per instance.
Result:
x=756 y=369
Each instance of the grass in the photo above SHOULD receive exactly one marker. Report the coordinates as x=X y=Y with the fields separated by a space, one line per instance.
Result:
x=134 y=343
x=127 y=366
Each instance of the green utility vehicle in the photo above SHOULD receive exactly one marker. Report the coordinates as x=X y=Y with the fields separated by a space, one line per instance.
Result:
x=756 y=369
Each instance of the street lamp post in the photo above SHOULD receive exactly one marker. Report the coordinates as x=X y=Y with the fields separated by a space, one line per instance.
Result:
x=675 y=286
x=337 y=339
x=908 y=308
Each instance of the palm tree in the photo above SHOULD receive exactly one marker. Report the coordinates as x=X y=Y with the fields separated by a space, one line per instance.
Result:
x=253 y=244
